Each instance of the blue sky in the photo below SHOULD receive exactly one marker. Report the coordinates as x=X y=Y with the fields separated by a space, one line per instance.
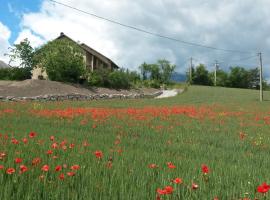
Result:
x=11 y=12
x=227 y=24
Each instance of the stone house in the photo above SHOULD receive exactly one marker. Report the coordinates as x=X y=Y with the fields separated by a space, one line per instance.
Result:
x=93 y=60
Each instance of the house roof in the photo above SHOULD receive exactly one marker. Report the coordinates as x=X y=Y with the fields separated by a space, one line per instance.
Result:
x=3 y=64
x=90 y=50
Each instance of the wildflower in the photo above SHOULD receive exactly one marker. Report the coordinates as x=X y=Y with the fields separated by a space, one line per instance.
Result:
x=194 y=186
x=166 y=190
x=177 y=181
x=1 y=167
x=49 y=152
x=52 y=138
x=61 y=176
x=54 y=145
x=171 y=165
x=14 y=141
x=45 y=168
x=32 y=134
x=18 y=160
x=75 y=167
x=10 y=171
x=58 y=168
x=71 y=173
x=205 y=169
x=23 y=169
x=152 y=166
x=98 y=154
x=25 y=140
x=36 y=161
x=264 y=188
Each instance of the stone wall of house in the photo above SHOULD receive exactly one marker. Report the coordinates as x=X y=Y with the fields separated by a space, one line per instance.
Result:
x=38 y=73
x=79 y=97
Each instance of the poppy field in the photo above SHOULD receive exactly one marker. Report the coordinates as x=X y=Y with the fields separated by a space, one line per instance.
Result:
x=205 y=144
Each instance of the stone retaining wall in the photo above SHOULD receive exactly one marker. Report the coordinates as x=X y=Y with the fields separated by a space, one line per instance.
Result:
x=80 y=97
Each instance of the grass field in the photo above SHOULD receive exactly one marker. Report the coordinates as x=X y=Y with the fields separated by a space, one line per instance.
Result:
x=138 y=149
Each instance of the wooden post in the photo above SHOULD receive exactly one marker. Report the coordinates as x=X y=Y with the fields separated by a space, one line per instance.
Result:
x=261 y=76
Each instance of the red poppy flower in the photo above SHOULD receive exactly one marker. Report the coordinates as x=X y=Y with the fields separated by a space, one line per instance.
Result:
x=18 y=160
x=205 y=169
x=32 y=134
x=36 y=161
x=58 y=168
x=52 y=138
x=178 y=180
x=98 y=154
x=25 y=140
x=166 y=190
x=194 y=186
x=75 y=167
x=14 y=141
x=1 y=167
x=45 y=168
x=70 y=173
x=23 y=169
x=54 y=145
x=61 y=176
x=10 y=171
x=171 y=165
x=263 y=188
x=152 y=166
x=49 y=152
x=71 y=145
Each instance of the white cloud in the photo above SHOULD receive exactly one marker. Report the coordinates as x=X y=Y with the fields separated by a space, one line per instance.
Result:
x=231 y=24
x=4 y=37
x=35 y=41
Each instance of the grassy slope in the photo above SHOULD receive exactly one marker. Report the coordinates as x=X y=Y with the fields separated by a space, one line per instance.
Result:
x=237 y=167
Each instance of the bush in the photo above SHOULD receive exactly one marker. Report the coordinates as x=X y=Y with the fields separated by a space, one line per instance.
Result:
x=4 y=74
x=99 y=78
x=15 y=73
x=119 y=80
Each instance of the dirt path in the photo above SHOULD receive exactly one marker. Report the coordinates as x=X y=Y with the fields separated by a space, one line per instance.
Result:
x=169 y=93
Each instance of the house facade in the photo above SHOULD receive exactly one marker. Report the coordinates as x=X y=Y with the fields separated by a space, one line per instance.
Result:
x=93 y=60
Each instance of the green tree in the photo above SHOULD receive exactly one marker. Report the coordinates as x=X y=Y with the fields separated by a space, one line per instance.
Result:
x=145 y=70
x=201 y=76
x=238 y=77
x=22 y=52
x=166 y=70
x=62 y=59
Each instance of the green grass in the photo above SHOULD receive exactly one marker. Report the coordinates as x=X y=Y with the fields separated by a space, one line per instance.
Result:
x=207 y=132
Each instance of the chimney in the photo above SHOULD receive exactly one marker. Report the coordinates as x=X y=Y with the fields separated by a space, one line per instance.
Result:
x=61 y=34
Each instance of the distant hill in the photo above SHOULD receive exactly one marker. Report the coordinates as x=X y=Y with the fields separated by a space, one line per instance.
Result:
x=178 y=77
x=3 y=65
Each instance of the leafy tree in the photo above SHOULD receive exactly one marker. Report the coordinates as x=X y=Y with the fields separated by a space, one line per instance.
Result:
x=201 y=76
x=155 y=73
x=62 y=59
x=145 y=69
x=238 y=77
x=22 y=52
x=166 y=70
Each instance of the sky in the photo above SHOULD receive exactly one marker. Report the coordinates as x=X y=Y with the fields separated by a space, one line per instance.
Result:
x=227 y=24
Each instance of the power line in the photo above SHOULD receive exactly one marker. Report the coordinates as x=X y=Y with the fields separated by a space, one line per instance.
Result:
x=150 y=33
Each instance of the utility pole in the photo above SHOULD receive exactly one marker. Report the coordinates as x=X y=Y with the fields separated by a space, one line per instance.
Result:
x=261 y=76
x=216 y=66
x=190 y=70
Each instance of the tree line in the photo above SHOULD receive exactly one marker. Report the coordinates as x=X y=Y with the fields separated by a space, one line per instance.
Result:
x=63 y=61
x=236 y=77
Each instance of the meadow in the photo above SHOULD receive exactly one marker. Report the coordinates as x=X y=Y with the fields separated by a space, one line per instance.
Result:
x=205 y=144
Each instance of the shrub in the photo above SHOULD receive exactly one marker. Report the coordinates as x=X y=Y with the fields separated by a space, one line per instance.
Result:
x=119 y=80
